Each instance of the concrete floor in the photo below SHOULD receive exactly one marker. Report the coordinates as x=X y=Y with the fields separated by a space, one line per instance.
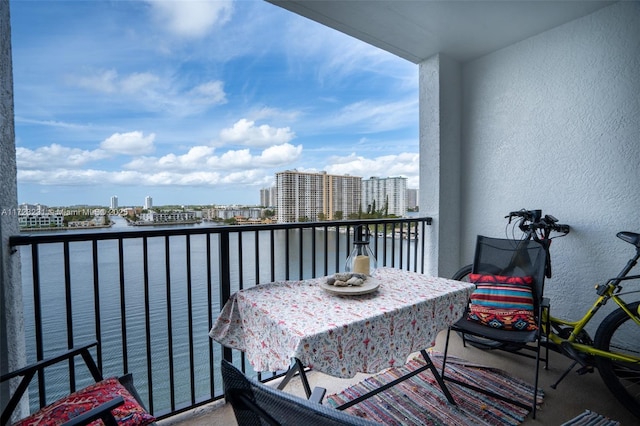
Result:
x=572 y=397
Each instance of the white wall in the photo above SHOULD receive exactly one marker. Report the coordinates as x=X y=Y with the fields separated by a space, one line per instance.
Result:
x=553 y=122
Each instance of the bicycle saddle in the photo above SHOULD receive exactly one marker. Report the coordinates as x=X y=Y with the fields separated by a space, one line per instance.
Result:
x=630 y=237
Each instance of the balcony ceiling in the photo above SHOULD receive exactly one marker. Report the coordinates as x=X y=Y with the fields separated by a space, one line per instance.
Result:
x=416 y=30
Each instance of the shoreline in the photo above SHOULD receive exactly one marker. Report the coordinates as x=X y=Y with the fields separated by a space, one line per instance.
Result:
x=65 y=228
x=177 y=222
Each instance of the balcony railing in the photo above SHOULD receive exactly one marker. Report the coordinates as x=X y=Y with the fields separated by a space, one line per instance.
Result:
x=149 y=297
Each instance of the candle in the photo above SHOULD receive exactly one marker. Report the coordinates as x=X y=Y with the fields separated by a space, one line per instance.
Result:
x=361 y=264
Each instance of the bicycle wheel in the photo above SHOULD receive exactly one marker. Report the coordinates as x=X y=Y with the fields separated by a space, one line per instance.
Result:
x=476 y=341
x=618 y=333
x=462 y=274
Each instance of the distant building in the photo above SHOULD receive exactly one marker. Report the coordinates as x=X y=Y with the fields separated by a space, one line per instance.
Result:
x=315 y=196
x=148 y=202
x=388 y=195
x=268 y=197
x=38 y=216
x=412 y=199
x=114 y=202
x=163 y=217
x=226 y=213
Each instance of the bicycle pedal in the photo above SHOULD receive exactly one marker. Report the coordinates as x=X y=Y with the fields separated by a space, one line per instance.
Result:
x=584 y=370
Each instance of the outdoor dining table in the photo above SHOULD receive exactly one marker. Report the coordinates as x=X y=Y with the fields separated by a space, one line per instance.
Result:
x=307 y=323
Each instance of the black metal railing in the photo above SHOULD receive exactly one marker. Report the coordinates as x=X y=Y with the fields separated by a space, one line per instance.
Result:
x=149 y=297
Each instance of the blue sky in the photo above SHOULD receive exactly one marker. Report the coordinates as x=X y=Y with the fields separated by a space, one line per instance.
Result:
x=196 y=102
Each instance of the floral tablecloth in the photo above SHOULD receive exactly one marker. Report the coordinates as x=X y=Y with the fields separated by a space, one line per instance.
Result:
x=340 y=335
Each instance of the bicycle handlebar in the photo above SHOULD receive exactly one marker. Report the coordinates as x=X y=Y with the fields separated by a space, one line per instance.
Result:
x=532 y=220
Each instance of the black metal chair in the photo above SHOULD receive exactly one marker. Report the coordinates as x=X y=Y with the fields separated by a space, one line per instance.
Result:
x=495 y=257
x=130 y=405
x=255 y=403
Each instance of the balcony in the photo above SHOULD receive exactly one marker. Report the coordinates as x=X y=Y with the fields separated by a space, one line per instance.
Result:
x=149 y=297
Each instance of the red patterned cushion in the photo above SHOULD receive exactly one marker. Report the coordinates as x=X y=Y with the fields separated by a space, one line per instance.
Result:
x=130 y=413
x=502 y=302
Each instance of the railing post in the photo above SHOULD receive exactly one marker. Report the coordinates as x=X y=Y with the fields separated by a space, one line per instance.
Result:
x=225 y=278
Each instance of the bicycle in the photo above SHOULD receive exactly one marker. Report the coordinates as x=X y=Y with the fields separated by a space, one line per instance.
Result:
x=615 y=349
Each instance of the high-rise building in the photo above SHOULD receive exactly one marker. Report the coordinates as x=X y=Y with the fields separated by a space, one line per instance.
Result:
x=148 y=202
x=316 y=196
x=412 y=198
x=114 y=202
x=268 y=197
x=388 y=195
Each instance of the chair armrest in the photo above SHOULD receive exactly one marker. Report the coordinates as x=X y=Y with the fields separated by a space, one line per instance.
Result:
x=28 y=372
x=102 y=412
x=317 y=395
x=37 y=366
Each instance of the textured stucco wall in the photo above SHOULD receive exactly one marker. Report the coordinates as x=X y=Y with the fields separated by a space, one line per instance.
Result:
x=440 y=98
x=553 y=122
x=11 y=318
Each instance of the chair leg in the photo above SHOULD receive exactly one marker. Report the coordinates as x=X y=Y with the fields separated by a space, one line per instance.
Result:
x=535 y=386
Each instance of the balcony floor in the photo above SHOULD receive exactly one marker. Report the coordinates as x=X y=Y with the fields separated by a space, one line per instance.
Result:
x=572 y=397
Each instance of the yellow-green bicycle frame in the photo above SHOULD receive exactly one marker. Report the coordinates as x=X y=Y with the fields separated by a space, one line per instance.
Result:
x=577 y=326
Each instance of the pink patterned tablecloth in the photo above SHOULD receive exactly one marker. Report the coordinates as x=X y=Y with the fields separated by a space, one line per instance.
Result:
x=340 y=335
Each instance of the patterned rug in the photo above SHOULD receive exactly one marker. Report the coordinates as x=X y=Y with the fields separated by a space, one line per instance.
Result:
x=589 y=418
x=419 y=400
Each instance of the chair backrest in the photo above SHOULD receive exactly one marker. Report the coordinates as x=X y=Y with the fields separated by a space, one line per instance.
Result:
x=520 y=258
x=255 y=403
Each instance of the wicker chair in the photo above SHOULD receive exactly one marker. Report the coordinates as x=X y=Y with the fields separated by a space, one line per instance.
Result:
x=255 y=403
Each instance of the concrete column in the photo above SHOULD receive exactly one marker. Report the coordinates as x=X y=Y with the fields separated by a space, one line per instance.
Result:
x=440 y=139
x=12 y=347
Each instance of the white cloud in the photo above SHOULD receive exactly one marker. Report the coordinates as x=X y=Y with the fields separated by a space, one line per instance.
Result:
x=376 y=116
x=98 y=178
x=203 y=158
x=279 y=155
x=152 y=91
x=137 y=82
x=131 y=143
x=404 y=164
x=245 y=132
x=191 y=19
x=274 y=113
x=210 y=93
x=56 y=155
x=101 y=81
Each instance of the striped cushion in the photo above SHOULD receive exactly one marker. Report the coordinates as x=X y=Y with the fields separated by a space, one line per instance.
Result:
x=502 y=302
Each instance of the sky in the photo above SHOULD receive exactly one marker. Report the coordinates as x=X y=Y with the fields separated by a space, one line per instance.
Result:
x=198 y=102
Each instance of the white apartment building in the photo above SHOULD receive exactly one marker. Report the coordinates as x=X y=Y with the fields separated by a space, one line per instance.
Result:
x=232 y=212
x=388 y=195
x=148 y=202
x=412 y=198
x=38 y=216
x=268 y=197
x=114 y=202
x=311 y=196
x=160 y=217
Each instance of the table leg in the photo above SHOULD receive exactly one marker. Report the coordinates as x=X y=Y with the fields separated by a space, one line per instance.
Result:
x=438 y=377
x=410 y=374
x=296 y=368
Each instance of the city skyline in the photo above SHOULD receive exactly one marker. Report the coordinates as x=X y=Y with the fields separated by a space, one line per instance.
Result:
x=198 y=102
